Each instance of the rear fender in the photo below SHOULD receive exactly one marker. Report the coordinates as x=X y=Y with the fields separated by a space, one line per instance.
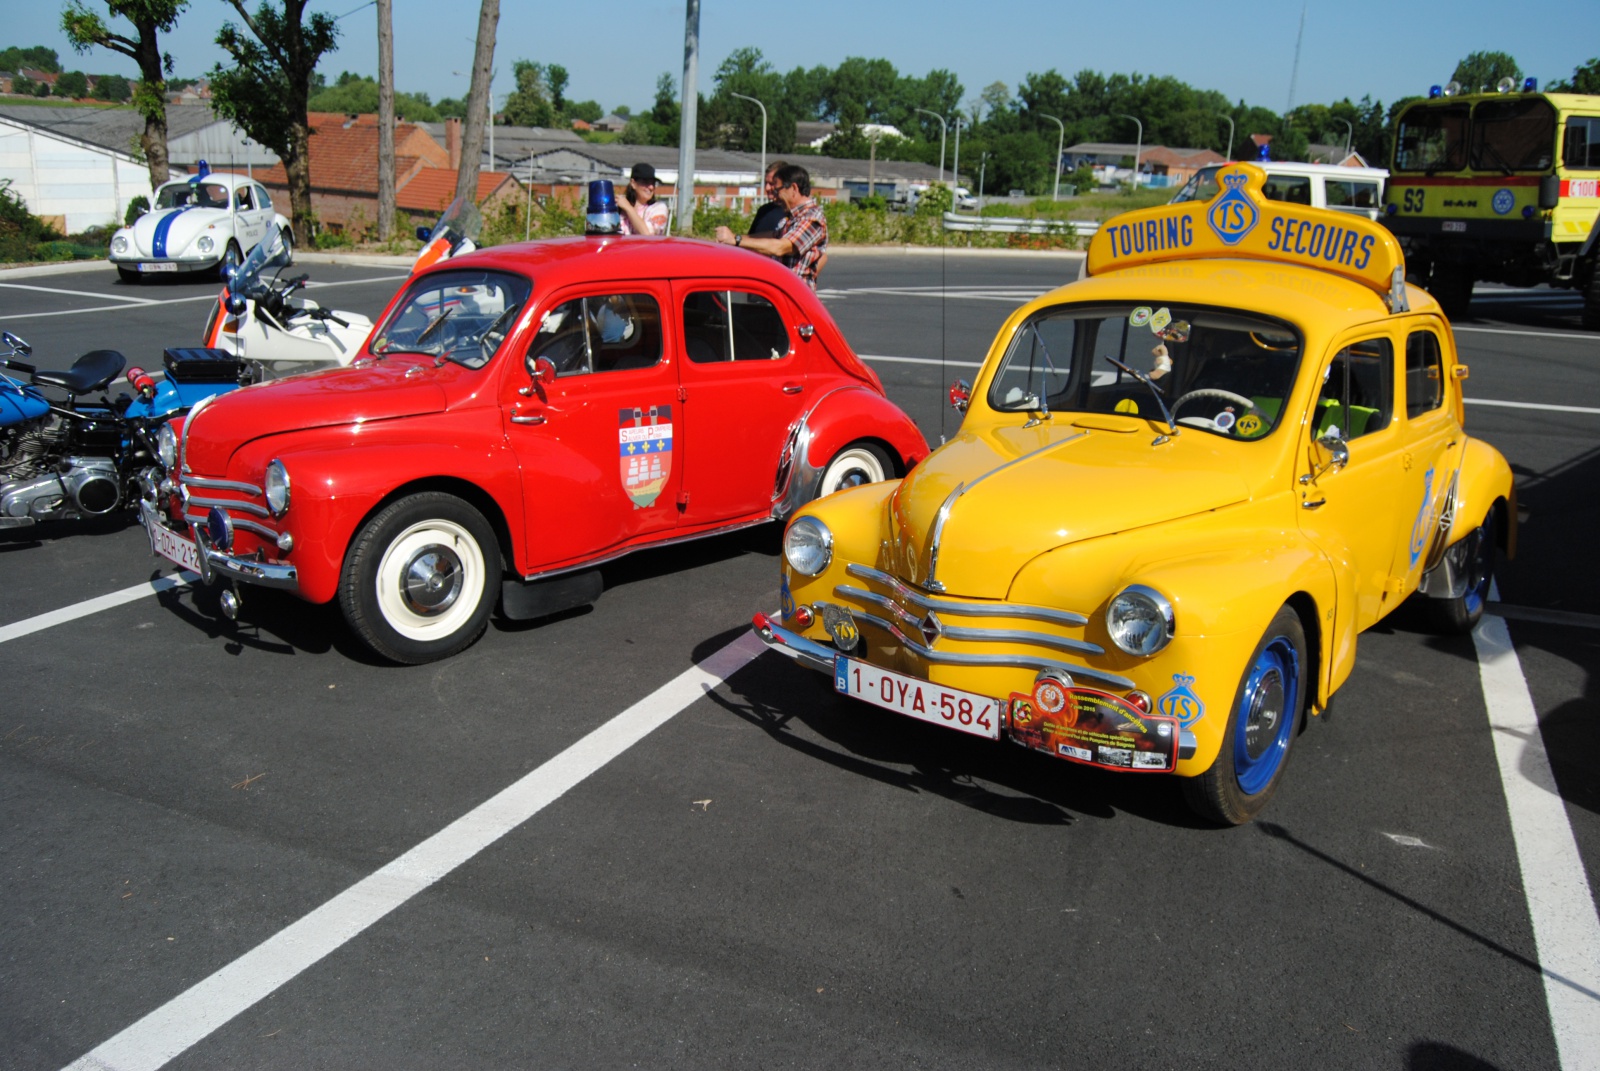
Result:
x=1485 y=480
x=838 y=418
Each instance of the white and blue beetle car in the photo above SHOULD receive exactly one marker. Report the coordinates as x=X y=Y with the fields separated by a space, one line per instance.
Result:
x=206 y=222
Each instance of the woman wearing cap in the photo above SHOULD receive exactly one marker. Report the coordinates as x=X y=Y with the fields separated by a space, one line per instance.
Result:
x=641 y=212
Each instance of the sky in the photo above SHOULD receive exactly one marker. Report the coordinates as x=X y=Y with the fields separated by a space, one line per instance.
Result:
x=1244 y=49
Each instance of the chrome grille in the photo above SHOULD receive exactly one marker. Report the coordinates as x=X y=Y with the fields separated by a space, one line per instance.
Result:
x=912 y=618
x=232 y=506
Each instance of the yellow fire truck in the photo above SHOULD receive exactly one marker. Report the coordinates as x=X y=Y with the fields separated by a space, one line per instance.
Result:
x=1498 y=187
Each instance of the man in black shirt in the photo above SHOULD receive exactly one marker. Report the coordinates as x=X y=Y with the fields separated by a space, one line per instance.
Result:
x=770 y=215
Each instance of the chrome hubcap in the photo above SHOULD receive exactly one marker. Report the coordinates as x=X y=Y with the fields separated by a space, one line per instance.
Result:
x=431 y=580
x=1266 y=708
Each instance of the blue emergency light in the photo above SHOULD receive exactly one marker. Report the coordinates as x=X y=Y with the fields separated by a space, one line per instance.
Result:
x=1530 y=85
x=602 y=217
x=1435 y=92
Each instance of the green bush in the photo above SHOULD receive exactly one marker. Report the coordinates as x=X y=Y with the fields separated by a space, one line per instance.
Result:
x=22 y=234
x=136 y=208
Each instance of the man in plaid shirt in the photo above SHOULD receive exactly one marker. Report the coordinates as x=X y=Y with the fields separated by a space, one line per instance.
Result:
x=802 y=240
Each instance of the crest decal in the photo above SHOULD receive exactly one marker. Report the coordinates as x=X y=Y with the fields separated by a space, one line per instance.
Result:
x=644 y=439
x=1233 y=215
x=1181 y=702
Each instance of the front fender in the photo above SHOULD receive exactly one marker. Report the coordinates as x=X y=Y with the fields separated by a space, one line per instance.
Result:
x=1485 y=479
x=336 y=490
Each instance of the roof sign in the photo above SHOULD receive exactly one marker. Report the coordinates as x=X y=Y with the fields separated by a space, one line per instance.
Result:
x=1244 y=223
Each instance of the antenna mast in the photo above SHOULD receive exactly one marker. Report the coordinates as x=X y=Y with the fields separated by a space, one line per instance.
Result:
x=1294 y=72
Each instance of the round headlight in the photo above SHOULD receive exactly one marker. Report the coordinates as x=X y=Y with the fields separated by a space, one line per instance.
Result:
x=119 y=244
x=167 y=446
x=1140 y=620
x=808 y=546
x=205 y=243
x=277 y=488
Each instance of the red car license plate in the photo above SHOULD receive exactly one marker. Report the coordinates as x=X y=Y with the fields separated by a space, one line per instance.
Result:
x=924 y=700
x=174 y=548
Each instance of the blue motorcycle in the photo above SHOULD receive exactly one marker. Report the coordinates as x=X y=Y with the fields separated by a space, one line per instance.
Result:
x=73 y=459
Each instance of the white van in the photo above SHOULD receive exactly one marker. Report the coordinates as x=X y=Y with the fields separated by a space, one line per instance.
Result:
x=1344 y=189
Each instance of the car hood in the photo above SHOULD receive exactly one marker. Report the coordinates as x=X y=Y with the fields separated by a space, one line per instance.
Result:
x=168 y=232
x=386 y=390
x=986 y=503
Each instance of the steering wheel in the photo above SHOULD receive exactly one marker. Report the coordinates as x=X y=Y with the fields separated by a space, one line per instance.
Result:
x=1213 y=392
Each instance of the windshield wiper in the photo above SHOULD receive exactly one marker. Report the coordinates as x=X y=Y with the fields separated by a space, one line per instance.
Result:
x=1155 y=391
x=1043 y=397
x=434 y=325
x=1489 y=146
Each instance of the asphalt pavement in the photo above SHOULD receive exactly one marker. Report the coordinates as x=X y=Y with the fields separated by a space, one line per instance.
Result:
x=252 y=845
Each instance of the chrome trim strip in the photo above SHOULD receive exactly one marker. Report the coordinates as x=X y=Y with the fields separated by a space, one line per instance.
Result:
x=594 y=562
x=943 y=515
x=801 y=486
x=808 y=653
x=953 y=658
x=980 y=635
x=230 y=504
x=238 y=522
x=999 y=609
x=223 y=485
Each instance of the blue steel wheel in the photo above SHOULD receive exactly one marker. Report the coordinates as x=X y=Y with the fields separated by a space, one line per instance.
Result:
x=1473 y=556
x=1263 y=721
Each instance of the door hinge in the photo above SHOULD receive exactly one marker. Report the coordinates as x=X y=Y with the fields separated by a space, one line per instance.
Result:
x=683 y=393
x=683 y=500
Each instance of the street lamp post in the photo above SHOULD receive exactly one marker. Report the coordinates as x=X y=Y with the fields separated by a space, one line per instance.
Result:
x=1138 y=148
x=1229 y=118
x=1349 y=135
x=943 y=130
x=955 y=166
x=1061 y=147
x=763 y=108
x=983 y=164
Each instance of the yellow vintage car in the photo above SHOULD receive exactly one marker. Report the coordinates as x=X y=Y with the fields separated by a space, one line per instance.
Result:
x=1182 y=487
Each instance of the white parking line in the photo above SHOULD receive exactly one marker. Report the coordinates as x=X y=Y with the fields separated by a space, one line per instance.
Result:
x=187 y=1018
x=1566 y=928
x=82 y=293
x=1571 y=336
x=30 y=625
x=919 y=360
x=1533 y=405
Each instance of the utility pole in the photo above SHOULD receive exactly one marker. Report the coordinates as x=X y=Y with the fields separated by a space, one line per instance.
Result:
x=763 y=108
x=688 y=119
x=1138 y=148
x=943 y=129
x=386 y=176
x=478 y=103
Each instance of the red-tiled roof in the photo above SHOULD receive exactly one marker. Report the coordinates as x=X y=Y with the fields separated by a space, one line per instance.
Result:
x=433 y=188
x=344 y=153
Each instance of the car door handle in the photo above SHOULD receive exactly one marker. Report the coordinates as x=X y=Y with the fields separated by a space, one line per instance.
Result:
x=793 y=388
x=1306 y=503
x=529 y=418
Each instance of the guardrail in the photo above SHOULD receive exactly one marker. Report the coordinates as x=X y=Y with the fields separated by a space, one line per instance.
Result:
x=1017 y=225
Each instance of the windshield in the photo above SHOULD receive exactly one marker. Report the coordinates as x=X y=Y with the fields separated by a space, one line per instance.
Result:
x=1513 y=135
x=461 y=316
x=1432 y=138
x=200 y=194
x=271 y=252
x=1295 y=189
x=1202 y=186
x=1224 y=372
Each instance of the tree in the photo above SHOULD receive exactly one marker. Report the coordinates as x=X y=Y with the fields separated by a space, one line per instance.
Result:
x=556 y=78
x=149 y=18
x=37 y=58
x=358 y=95
x=1585 y=79
x=451 y=108
x=478 y=103
x=1483 y=70
x=658 y=126
x=115 y=88
x=73 y=85
x=267 y=88
x=529 y=104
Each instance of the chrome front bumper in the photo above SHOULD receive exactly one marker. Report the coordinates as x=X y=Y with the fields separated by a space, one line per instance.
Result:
x=216 y=564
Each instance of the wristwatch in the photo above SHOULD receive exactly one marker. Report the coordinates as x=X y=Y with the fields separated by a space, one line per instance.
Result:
x=738 y=239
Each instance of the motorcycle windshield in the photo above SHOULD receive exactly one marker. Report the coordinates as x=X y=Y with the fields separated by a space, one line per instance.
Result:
x=461 y=222
x=270 y=252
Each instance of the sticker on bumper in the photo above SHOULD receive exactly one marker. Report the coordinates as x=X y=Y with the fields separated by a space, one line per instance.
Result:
x=1096 y=728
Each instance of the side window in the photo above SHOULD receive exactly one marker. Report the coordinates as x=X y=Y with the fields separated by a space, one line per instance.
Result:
x=263 y=200
x=610 y=333
x=243 y=195
x=1357 y=395
x=1424 y=373
x=722 y=325
x=1343 y=193
x=1294 y=189
x=1582 y=144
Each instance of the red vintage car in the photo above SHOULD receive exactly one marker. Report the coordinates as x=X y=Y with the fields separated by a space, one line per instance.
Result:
x=517 y=417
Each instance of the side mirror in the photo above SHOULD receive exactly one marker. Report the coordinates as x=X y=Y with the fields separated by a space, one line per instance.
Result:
x=424 y=233
x=236 y=303
x=542 y=370
x=1336 y=449
x=960 y=395
x=1549 y=191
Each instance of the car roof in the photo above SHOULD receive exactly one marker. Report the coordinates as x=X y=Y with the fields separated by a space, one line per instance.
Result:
x=1296 y=167
x=225 y=178
x=586 y=258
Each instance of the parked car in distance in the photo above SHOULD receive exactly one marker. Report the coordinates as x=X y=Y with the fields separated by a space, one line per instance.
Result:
x=1182 y=488
x=206 y=222
x=1344 y=189
x=518 y=416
